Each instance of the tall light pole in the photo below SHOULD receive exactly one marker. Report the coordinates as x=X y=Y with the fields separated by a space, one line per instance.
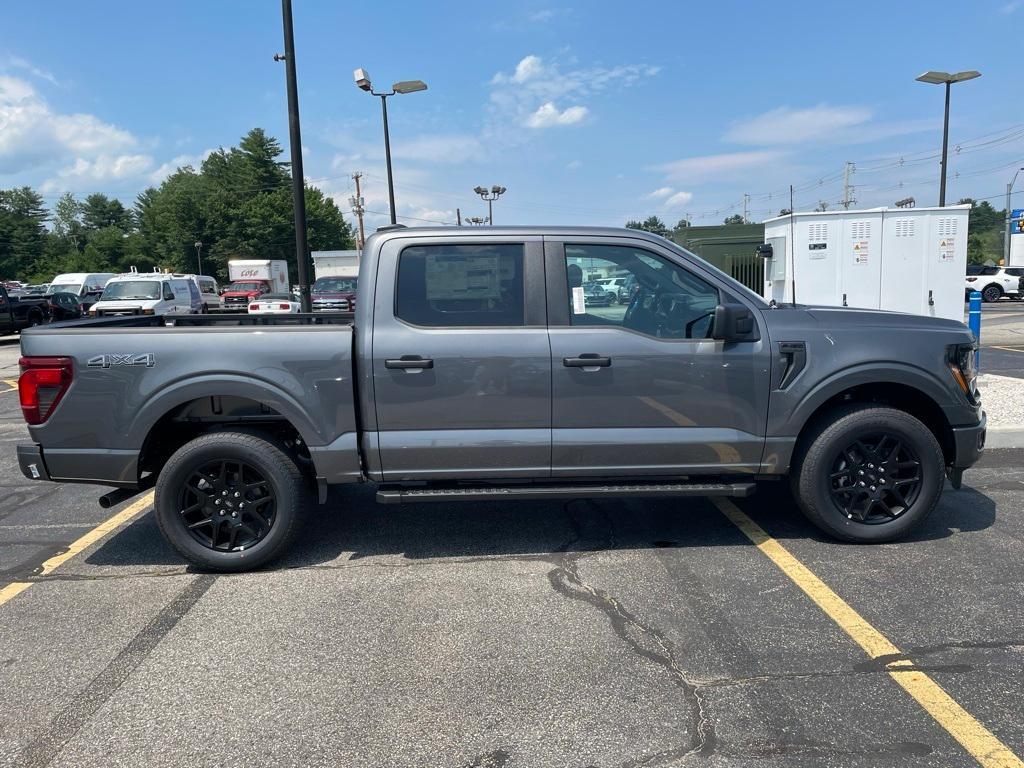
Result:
x=199 y=255
x=946 y=78
x=490 y=196
x=295 y=139
x=362 y=78
x=1006 y=243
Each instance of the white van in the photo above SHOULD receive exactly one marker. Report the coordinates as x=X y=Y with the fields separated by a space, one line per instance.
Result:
x=86 y=285
x=153 y=293
x=210 y=291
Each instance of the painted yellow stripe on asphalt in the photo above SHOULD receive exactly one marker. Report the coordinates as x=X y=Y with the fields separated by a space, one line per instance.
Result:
x=15 y=588
x=980 y=742
x=12 y=383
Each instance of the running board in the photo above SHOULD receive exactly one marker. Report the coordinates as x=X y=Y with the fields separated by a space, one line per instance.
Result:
x=494 y=493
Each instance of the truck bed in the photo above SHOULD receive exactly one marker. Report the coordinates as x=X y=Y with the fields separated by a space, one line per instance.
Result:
x=133 y=374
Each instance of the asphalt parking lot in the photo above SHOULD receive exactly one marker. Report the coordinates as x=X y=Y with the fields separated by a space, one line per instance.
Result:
x=611 y=633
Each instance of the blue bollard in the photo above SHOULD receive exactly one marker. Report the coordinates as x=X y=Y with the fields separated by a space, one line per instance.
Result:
x=974 y=323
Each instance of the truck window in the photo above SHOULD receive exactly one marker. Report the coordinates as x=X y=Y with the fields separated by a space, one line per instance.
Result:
x=461 y=285
x=648 y=293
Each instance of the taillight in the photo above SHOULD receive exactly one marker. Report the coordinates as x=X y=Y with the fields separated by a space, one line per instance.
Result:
x=43 y=382
x=285 y=307
x=254 y=307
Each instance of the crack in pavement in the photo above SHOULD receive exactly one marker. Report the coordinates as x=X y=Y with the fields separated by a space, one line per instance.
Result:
x=566 y=580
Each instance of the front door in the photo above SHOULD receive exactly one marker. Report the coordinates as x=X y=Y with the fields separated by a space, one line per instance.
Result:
x=639 y=388
x=461 y=362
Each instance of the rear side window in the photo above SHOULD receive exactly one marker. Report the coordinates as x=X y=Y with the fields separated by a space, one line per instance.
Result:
x=461 y=285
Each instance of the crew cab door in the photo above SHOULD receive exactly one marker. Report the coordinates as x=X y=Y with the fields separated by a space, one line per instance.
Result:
x=461 y=362
x=640 y=388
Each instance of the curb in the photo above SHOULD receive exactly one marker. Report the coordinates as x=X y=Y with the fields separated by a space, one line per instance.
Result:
x=1004 y=437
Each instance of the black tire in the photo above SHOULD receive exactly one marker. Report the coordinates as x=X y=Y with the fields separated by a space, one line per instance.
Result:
x=214 y=544
x=204 y=310
x=834 y=480
x=992 y=293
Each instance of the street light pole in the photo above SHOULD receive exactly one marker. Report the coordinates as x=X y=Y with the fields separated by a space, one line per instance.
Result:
x=1006 y=240
x=199 y=255
x=946 y=78
x=362 y=78
x=490 y=196
x=295 y=139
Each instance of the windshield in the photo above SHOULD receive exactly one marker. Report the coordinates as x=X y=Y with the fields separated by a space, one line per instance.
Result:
x=131 y=289
x=245 y=287
x=64 y=288
x=335 y=285
x=733 y=283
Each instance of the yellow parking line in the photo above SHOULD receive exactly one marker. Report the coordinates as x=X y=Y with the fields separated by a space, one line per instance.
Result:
x=980 y=742
x=12 y=383
x=15 y=588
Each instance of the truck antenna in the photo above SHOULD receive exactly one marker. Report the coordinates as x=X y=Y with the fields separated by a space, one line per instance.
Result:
x=792 y=248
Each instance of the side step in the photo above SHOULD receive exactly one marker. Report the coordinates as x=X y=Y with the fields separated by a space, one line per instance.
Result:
x=495 y=493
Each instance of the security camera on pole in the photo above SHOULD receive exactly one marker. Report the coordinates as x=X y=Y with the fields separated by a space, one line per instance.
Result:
x=362 y=78
x=490 y=196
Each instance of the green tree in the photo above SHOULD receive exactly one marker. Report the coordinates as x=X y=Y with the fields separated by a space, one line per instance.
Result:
x=22 y=231
x=99 y=211
x=734 y=219
x=650 y=224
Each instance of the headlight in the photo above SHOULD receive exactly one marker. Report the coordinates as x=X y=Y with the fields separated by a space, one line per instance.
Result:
x=963 y=365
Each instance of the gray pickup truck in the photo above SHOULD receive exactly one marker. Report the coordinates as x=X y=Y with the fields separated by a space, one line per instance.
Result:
x=475 y=368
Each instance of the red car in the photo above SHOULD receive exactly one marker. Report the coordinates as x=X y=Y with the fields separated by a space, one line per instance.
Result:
x=334 y=294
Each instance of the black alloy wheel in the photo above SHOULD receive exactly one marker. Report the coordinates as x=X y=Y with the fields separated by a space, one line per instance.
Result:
x=875 y=479
x=227 y=505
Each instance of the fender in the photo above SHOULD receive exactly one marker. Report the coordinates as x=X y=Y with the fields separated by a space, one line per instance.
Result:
x=224 y=385
x=884 y=372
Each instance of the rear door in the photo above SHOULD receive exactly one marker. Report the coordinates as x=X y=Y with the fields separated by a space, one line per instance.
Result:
x=461 y=361
x=639 y=388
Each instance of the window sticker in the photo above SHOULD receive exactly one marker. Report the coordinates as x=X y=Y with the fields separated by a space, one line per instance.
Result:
x=463 y=277
x=579 y=303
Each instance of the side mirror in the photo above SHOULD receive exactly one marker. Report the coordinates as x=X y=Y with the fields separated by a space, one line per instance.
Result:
x=764 y=251
x=734 y=322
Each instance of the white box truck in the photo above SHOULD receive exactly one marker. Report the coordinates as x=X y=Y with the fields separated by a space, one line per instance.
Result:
x=901 y=259
x=335 y=263
x=251 y=278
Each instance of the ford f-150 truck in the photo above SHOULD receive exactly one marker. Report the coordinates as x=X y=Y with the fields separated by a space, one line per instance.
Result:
x=475 y=369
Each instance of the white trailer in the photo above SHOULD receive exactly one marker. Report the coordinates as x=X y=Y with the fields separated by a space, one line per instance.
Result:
x=901 y=259
x=271 y=271
x=335 y=263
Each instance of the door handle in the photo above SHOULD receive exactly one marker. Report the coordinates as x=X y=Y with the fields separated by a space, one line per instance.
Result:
x=409 y=361
x=587 y=360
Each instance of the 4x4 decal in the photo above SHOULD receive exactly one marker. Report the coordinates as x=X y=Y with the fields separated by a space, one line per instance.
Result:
x=148 y=359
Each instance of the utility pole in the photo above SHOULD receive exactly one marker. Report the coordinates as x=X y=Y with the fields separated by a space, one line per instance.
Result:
x=295 y=138
x=358 y=208
x=458 y=217
x=746 y=200
x=848 y=198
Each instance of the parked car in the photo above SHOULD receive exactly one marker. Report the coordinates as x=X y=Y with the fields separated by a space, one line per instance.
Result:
x=616 y=286
x=210 y=293
x=151 y=293
x=64 y=306
x=334 y=294
x=595 y=295
x=275 y=304
x=994 y=282
x=467 y=374
x=88 y=286
x=19 y=312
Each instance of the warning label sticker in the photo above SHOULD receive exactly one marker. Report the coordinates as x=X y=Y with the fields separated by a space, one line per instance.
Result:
x=860 y=252
x=579 y=303
x=947 y=246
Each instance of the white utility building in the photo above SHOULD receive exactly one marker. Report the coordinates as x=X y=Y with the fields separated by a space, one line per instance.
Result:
x=901 y=259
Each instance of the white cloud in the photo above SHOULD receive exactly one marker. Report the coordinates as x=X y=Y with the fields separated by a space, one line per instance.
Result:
x=440 y=148
x=548 y=115
x=17 y=62
x=172 y=165
x=691 y=169
x=1011 y=6
x=32 y=134
x=659 y=193
x=678 y=199
x=785 y=125
x=529 y=94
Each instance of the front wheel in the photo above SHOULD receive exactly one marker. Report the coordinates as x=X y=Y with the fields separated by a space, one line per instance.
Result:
x=992 y=293
x=870 y=475
x=230 y=501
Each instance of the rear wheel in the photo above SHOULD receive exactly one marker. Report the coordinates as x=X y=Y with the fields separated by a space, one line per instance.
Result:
x=992 y=293
x=871 y=474
x=230 y=501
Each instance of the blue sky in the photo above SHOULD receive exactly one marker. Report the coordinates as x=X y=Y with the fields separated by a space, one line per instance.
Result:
x=588 y=112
